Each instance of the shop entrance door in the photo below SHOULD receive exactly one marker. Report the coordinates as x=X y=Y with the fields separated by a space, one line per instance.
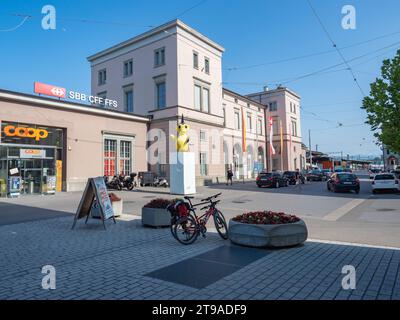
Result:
x=31 y=173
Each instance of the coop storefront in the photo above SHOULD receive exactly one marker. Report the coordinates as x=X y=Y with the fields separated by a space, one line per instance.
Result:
x=48 y=145
x=31 y=158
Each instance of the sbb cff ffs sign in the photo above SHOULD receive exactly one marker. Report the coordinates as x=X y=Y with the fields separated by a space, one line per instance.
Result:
x=50 y=90
x=23 y=132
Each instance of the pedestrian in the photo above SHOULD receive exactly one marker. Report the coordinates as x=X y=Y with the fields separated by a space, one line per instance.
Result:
x=229 y=176
x=298 y=179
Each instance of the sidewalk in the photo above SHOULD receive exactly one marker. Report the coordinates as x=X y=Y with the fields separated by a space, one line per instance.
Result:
x=128 y=261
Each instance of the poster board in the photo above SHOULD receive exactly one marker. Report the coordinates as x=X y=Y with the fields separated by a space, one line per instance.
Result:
x=95 y=189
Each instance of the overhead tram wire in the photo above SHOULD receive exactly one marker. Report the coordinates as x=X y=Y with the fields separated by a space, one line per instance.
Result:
x=321 y=71
x=336 y=48
x=26 y=17
x=310 y=55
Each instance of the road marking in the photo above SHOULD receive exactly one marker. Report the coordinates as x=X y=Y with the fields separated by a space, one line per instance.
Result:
x=340 y=212
x=352 y=244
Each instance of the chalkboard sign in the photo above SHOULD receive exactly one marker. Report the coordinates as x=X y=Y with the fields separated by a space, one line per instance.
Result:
x=95 y=189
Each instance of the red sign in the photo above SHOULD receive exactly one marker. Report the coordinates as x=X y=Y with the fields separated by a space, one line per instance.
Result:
x=50 y=90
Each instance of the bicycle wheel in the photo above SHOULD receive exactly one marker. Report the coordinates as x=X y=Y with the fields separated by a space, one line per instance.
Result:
x=220 y=224
x=185 y=230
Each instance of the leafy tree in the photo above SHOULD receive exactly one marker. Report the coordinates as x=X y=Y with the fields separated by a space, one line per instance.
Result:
x=383 y=104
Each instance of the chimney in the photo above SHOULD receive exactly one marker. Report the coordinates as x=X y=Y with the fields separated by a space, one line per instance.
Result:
x=266 y=88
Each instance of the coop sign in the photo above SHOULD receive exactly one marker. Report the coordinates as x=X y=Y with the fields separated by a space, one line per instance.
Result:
x=62 y=93
x=23 y=132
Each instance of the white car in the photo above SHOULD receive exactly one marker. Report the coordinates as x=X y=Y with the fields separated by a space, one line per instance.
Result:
x=385 y=181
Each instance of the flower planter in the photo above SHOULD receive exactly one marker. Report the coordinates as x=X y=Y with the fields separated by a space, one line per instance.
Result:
x=268 y=235
x=155 y=217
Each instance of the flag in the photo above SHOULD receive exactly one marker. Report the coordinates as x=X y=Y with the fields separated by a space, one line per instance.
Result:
x=271 y=146
x=244 y=144
x=281 y=134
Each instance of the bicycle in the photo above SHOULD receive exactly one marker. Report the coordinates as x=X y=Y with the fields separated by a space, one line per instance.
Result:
x=188 y=227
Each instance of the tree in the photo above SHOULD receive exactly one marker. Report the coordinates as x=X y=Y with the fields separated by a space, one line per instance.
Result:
x=383 y=104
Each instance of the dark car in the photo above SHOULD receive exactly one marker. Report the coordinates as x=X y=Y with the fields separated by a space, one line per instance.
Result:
x=343 y=181
x=315 y=175
x=327 y=173
x=271 y=179
x=290 y=176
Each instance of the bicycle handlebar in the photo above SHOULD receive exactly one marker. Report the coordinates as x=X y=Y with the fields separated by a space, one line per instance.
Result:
x=212 y=197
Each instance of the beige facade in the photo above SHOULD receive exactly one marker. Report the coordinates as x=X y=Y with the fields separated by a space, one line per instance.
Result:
x=174 y=71
x=283 y=106
x=82 y=151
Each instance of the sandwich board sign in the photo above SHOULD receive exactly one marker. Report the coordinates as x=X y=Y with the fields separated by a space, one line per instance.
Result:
x=95 y=189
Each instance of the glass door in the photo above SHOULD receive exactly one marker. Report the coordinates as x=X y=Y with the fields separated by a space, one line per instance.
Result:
x=32 y=175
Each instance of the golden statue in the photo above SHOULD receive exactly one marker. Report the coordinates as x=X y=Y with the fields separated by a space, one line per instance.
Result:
x=182 y=140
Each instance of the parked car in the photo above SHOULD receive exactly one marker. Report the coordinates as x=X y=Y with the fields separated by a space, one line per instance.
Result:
x=315 y=175
x=271 y=179
x=290 y=176
x=327 y=173
x=396 y=172
x=385 y=181
x=373 y=172
x=343 y=181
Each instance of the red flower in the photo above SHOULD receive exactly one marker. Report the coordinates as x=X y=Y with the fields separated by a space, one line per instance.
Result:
x=265 y=217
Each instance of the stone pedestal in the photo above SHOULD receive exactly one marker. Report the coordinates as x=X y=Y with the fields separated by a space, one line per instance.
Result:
x=182 y=173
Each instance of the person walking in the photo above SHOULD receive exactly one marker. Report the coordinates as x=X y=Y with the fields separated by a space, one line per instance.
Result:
x=298 y=179
x=229 y=176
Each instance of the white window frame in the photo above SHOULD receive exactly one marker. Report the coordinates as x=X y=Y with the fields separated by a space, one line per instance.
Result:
x=119 y=138
x=160 y=53
x=275 y=104
x=195 y=60
x=102 y=77
x=202 y=102
x=128 y=68
x=237 y=125
x=157 y=84
x=129 y=88
x=207 y=65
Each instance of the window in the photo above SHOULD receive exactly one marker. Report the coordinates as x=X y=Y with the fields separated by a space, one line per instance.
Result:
x=102 y=77
x=203 y=164
x=110 y=157
x=224 y=115
x=161 y=95
x=249 y=124
x=206 y=100
x=294 y=108
x=259 y=126
x=195 y=60
x=202 y=135
x=275 y=127
x=128 y=68
x=159 y=57
x=128 y=99
x=117 y=155
x=125 y=157
x=197 y=97
x=237 y=120
x=207 y=65
x=201 y=98
x=294 y=128
x=273 y=106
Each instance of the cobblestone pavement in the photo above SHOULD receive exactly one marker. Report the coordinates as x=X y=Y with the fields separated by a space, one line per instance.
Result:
x=95 y=264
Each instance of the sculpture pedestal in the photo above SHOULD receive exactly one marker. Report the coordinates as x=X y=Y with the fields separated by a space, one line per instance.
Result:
x=182 y=173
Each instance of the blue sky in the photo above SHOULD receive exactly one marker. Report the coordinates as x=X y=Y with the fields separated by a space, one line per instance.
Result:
x=256 y=34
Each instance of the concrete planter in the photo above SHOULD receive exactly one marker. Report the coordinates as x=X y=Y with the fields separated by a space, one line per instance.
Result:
x=155 y=217
x=267 y=235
